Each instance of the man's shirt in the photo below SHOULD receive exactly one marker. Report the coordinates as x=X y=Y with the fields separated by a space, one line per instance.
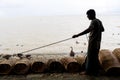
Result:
x=96 y=29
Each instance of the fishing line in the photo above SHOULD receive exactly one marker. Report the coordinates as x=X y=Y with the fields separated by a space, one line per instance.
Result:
x=87 y=42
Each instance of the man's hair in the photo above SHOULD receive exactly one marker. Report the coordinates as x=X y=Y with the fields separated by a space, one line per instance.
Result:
x=91 y=12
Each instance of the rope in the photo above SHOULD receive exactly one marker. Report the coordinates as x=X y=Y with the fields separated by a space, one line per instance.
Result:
x=45 y=46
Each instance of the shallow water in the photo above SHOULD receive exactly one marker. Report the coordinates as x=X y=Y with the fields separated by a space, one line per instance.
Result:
x=19 y=34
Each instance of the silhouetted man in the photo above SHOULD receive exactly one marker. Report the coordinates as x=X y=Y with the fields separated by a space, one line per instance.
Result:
x=95 y=29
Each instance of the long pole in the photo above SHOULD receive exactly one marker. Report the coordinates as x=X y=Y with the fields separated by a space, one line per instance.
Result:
x=44 y=46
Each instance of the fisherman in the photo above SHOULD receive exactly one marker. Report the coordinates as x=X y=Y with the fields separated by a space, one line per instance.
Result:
x=95 y=29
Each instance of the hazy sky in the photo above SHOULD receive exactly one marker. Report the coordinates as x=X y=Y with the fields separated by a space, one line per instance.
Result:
x=57 y=7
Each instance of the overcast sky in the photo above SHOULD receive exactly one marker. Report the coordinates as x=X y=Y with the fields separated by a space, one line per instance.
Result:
x=57 y=7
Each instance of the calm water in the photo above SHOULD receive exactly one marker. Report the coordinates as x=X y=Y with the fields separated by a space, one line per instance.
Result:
x=19 y=34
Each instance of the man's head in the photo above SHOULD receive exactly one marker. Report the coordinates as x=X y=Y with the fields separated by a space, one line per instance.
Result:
x=91 y=14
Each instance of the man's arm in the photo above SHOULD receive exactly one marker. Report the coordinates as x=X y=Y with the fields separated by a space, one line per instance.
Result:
x=82 y=33
x=90 y=28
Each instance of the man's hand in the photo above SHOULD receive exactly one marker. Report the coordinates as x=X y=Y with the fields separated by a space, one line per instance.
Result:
x=74 y=36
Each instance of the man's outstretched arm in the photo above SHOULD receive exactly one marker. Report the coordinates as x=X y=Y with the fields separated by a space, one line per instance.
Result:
x=82 y=33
